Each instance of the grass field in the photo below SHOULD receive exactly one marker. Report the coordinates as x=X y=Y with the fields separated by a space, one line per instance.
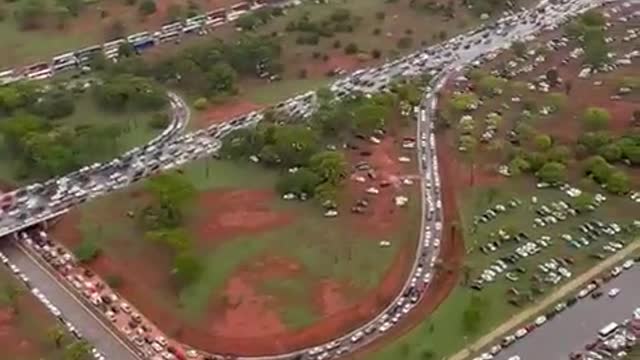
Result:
x=315 y=249
x=443 y=333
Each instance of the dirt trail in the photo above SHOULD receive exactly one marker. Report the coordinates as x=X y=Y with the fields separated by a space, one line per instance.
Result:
x=565 y=290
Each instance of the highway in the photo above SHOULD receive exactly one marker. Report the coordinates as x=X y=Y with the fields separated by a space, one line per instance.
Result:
x=177 y=149
x=72 y=309
x=577 y=326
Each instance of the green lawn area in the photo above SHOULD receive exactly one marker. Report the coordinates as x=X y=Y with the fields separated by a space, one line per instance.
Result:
x=136 y=131
x=443 y=333
x=271 y=93
x=26 y=47
x=323 y=251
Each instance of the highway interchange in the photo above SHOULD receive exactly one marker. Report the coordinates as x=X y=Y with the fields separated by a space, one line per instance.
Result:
x=172 y=149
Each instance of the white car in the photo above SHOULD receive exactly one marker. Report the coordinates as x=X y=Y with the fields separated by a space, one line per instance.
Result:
x=614 y=292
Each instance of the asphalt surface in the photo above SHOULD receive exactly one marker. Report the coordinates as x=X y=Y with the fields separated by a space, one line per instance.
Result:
x=72 y=309
x=577 y=326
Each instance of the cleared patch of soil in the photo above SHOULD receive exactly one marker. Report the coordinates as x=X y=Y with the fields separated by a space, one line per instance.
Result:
x=229 y=213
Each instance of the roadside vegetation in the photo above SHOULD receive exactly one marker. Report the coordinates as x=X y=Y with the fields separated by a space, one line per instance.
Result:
x=542 y=155
x=29 y=332
x=49 y=130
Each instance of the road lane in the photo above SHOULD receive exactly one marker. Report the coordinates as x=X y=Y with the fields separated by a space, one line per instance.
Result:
x=92 y=329
x=572 y=329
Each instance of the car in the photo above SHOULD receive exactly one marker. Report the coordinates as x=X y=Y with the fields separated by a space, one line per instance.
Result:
x=614 y=292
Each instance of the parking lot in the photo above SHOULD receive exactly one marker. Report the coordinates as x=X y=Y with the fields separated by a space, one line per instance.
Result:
x=572 y=329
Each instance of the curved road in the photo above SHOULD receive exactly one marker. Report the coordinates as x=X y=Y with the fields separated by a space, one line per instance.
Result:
x=170 y=150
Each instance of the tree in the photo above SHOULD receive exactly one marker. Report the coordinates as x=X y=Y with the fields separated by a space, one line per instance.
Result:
x=55 y=104
x=598 y=168
x=294 y=144
x=583 y=202
x=172 y=193
x=303 y=181
x=518 y=165
x=596 y=118
x=247 y=22
x=78 y=350
x=200 y=103
x=330 y=166
x=351 y=49
x=187 y=268
x=553 y=77
x=611 y=152
x=221 y=78
x=593 y=141
x=369 y=117
x=543 y=142
x=559 y=153
x=552 y=173
x=618 y=183
x=464 y=102
x=490 y=85
x=595 y=48
x=147 y=7
x=87 y=250
x=56 y=334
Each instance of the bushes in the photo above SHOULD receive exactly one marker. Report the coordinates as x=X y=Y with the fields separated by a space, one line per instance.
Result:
x=200 y=103
x=87 y=250
x=351 y=49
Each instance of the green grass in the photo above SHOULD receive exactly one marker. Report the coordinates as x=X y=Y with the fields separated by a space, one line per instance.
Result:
x=324 y=250
x=210 y=174
x=271 y=93
x=25 y=47
x=443 y=333
x=296 y=317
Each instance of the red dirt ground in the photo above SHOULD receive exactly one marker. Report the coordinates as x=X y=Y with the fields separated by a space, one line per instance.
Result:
x=329 y=296
x=382 y=216
x=451 y=250
x=250 y=318
x=237 y=212
x=246 y=311
x=12 y=342
x=219 y=113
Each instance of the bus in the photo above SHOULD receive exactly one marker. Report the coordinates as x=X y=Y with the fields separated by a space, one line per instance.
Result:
x=608 y=330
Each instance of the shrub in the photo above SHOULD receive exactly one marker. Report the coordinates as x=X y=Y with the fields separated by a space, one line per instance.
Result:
x=351 y=49
x=200 y=103
x=87 y=250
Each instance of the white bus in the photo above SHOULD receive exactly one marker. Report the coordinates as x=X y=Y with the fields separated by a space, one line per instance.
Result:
x=608 y=330
x=64 y=61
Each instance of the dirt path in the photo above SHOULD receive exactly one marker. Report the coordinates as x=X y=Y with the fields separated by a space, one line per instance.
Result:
x=565 y=290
